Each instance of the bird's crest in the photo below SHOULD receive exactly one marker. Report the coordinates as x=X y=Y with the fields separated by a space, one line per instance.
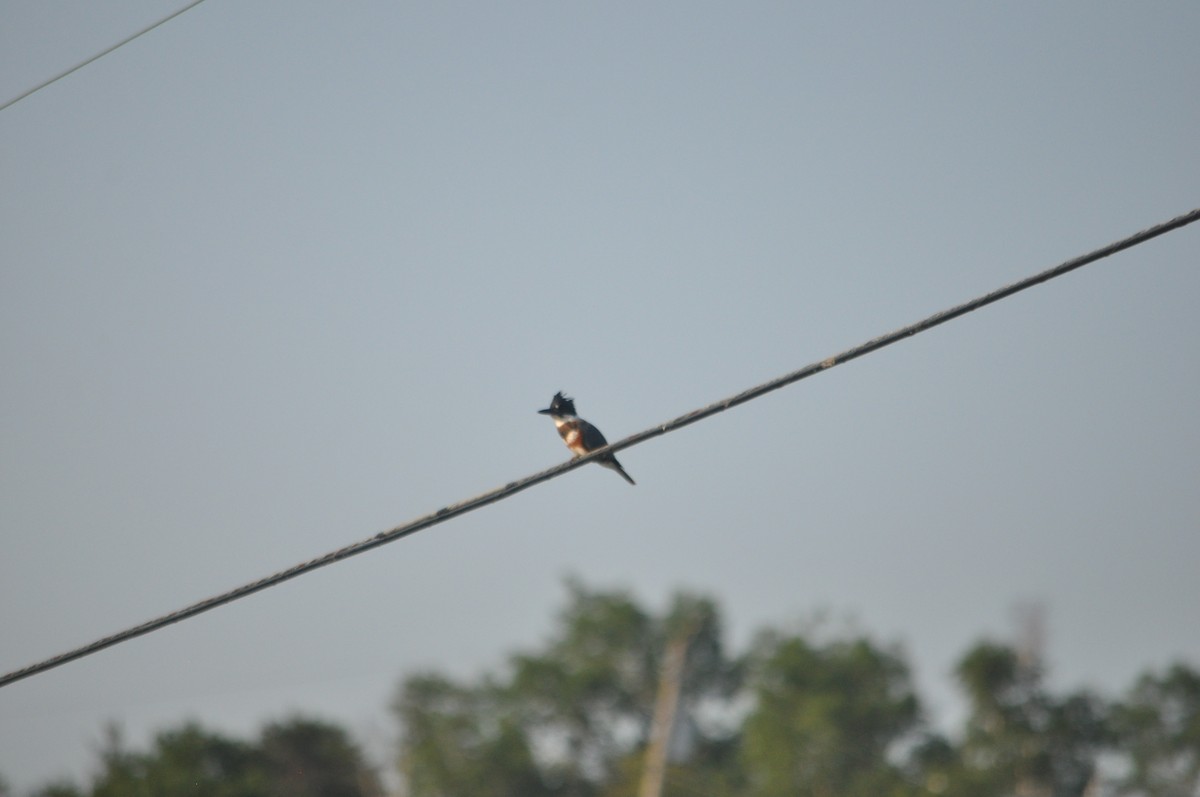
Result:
x=562 y=404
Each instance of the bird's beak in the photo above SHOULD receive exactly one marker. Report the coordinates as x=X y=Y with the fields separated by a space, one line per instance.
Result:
x=546 y=411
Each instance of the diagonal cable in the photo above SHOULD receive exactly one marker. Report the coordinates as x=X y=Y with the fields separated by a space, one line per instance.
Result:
x=100 y=54
x=514 y=487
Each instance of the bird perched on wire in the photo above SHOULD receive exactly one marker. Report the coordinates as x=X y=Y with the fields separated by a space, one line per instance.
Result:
x=579 y=435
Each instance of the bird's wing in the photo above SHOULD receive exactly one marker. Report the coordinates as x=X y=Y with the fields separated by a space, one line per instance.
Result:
x=592 y=439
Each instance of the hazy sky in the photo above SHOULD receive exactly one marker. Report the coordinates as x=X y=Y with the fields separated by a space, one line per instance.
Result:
x=277 y=276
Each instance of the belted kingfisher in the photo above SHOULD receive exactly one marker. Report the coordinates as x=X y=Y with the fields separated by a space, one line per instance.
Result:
x=579 y=435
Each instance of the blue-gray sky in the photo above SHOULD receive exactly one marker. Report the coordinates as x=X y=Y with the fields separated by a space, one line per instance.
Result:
x=277 y=276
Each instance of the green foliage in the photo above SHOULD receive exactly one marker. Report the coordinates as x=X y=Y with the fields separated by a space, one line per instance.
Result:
x=825 y=718
x=462 y=740
x=53 y=790
x=306 y=758
x=1158 y=723
x=795 y=716
x=594 y=680
x=1019 y=738
x=570 y=718
x=711 y=770
x=801 y=717
x=188 y=760
x=296 y=758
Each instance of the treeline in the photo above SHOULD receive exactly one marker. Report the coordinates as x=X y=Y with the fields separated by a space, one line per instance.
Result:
x=796 y=714
x=298 y=757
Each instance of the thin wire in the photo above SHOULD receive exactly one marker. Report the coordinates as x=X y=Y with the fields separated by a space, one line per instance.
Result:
x=462 y=507
x=101 y=54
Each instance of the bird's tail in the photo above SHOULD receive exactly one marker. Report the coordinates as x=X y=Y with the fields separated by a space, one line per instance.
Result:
x=611 y=462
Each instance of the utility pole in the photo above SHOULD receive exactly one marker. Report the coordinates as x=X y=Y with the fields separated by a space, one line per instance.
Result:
x=665 y=707
x=1030 y=617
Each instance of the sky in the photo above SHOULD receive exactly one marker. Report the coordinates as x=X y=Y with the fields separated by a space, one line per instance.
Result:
x=277 y=276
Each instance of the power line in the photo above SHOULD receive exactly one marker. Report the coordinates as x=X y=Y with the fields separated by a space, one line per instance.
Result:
x=100 y=55
x=462 y=507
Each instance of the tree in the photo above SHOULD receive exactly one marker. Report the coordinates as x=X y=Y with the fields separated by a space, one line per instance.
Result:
x=825 y=718
x=462 y=740
x=185 y=761
x=303 y=757
x=53 y=790
x=594 y=686
x=689 y=636
x=570 y=718
x=590 y=692
x=296 y=758
x=1019 y=739
x=1158 y=727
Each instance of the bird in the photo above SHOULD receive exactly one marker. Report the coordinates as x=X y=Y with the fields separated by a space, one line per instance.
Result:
x=579 y=435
